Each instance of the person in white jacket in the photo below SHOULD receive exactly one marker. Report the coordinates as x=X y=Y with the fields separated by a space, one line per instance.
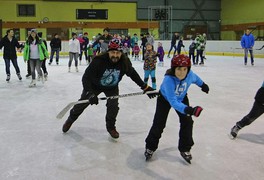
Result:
x=74 y=51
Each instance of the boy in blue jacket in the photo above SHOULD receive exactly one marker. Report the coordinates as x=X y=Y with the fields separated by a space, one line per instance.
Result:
x=173 y=93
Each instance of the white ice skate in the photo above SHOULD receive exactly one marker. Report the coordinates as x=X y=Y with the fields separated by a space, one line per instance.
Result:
x=33 y=83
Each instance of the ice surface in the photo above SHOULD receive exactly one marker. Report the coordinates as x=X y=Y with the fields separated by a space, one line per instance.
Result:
x=33 y=147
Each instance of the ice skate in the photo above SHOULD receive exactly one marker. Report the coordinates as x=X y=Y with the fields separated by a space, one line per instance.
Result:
x=19 y=76
x=234 y=131
x=46 y=76
x=113 y=133
x=8 y=78
x=69 y=70
x=42 y=79
x=148 y=154
x=77 y=70
x=187 y=156
x=67 y=125
x=28 y=76
x=33 y=83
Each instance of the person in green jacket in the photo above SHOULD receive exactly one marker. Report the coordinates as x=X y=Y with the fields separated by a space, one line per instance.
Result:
x=35 y=52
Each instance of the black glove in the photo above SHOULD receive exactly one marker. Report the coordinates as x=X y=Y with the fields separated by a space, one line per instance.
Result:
x=147 y=88
x=205 y=88
x=93 y=99
x=196 y=111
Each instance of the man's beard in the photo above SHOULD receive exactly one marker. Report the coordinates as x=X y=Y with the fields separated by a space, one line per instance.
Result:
x=115 y=59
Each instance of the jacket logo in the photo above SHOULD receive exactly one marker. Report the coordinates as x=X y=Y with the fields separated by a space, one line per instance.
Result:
x=180 y=88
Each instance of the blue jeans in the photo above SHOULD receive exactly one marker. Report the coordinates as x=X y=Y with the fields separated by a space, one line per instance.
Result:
x=175 y=48
x=7 y=64
x=57 y=50
x=246 y=55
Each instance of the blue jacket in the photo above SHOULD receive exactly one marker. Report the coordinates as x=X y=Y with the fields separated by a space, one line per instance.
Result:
x=174 y=90
x=247 y=41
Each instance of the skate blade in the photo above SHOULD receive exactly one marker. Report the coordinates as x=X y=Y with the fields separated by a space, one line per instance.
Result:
x=148 y=158
x=186 y=160
x=231 y=137
x=113 y=139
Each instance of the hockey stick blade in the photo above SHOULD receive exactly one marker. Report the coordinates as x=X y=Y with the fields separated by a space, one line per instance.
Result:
x=71 y=104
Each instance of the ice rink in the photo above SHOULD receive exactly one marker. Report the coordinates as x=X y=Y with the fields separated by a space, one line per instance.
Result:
x=33 y=147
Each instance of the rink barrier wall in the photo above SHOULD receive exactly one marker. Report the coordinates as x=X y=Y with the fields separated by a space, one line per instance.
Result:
x=218 y=48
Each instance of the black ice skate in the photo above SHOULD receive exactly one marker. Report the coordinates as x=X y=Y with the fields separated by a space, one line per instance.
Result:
x=113 y=133
x=19 y=76
x=8 y=78
x=148 y=154
x=67 y=125
x=187 y=156
x=234 y=131
x=28 y=76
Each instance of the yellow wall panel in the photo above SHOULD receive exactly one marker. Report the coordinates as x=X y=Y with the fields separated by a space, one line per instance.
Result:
x=66 y=11
x=241 y=11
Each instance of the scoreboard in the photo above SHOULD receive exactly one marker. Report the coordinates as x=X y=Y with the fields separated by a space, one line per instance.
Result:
x=91 y=14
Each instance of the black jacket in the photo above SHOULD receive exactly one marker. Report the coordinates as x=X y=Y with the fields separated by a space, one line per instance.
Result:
x=102 y=74
x=174 y=39
x=10 y=47
x=55 y=43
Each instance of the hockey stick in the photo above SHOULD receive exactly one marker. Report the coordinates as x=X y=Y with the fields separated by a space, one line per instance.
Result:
x=71 y=104
x=260 y=48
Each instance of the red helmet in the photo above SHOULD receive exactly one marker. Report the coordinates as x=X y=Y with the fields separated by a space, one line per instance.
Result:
x=180 y=61
x=115 y=44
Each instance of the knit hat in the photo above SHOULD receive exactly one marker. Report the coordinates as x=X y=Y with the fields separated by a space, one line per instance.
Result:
x=180 y=60
x=115 y=45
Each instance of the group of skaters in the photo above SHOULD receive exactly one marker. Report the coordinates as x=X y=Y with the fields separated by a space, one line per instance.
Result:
x=198 y=43
x=105 y=72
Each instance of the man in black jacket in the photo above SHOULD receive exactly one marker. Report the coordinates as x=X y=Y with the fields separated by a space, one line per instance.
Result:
x=173 y=43
x=103 y=75
x=55 y=45
x=10 y=44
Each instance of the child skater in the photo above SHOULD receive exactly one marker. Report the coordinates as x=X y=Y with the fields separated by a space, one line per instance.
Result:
x=136 y=50
x=191 y=52
x=90 y=53
x=160 y=52
x=126 y=49
x=173 y=93
x=180 y=45
x=150 y=65
x=256 y=111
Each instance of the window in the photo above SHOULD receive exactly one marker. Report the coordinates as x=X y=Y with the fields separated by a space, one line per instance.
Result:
x=26 y=10
x=62 y=32
x=17 y=34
